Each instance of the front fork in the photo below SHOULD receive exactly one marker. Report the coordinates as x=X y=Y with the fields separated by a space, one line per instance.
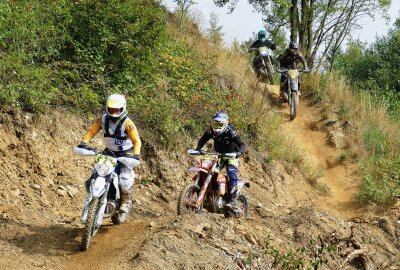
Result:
x=101 y=207
x=203 y=191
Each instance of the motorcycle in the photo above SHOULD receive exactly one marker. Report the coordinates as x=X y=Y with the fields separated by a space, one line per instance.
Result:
x=291 y=89
x=103 y=198
x=266 y=69
x=209 y=189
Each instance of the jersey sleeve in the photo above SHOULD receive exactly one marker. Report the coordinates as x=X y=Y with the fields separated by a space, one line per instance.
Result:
x=133 y=134
x=204 y=139
x=302 y=60
x=239 y=142
x=92 y=131
x=254 y=44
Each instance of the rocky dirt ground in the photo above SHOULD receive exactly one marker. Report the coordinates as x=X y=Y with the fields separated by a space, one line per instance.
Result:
x=41 y=195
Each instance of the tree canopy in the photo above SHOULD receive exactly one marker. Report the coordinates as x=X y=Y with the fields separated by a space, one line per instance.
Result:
x=319 y=26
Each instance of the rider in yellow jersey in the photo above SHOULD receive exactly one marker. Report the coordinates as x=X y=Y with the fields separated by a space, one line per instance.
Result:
x=121 y=138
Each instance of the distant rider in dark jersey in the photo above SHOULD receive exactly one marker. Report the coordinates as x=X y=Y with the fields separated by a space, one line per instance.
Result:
x=288 y=60
x=262 y=41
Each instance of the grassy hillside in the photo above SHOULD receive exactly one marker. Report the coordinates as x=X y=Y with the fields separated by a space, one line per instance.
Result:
x=373 y=135
x=73 y=54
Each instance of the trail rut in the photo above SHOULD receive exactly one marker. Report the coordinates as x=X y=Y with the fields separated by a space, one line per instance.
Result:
x=340 y=179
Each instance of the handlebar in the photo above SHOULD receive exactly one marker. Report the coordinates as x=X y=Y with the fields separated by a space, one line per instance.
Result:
x=130 y=162
x=86 y=151
x=285 y=70
x=193 y=152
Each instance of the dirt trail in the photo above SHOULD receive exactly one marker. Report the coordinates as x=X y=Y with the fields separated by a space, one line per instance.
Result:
x=111 y=242
x=40 y=226
x=339 y=178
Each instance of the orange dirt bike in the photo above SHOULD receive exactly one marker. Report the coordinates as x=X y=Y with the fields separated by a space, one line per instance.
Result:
x=291 y=89
x=209 y=189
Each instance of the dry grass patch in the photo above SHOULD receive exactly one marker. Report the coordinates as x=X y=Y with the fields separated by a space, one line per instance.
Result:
x=373 y=135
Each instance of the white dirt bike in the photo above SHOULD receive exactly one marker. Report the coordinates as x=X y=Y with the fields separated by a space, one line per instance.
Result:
x=103 y=198
x=266 y=69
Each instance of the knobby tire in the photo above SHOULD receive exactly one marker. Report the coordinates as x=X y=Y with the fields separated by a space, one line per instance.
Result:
x=87 y=236
x=187 y=192
x=270 y=76
x=294 y=104
x=243 y=199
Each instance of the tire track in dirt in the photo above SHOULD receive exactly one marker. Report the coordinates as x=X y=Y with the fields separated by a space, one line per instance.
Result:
x=114 y=247
x=339 y=178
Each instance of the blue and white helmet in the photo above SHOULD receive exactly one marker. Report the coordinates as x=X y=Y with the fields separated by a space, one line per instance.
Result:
x=219 y=122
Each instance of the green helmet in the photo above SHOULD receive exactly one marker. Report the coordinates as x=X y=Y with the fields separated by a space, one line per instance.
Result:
x=262 y=35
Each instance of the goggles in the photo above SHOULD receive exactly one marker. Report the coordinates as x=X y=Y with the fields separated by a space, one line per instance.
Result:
x=114 y=111
x=217 y=125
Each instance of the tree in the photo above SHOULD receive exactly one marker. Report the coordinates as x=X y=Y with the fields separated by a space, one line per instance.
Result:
x=182 y=8
x=320 y=26
x=375 y=67
x=214 y=30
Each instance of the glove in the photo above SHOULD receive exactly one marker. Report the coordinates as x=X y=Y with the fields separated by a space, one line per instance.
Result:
x=83 y=145
x=238 y=154
x=137 y=157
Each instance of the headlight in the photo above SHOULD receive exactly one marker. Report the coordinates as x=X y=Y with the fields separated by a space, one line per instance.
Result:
x=103 y=169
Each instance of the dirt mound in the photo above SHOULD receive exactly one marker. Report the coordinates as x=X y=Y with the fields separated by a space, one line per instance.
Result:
x=42 y=192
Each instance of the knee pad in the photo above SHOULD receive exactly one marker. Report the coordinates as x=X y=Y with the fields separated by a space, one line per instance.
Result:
x=126 y=179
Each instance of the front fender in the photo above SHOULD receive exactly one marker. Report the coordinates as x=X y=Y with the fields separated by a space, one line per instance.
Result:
x=197 y=170
x=294 y=85
x=98 y=186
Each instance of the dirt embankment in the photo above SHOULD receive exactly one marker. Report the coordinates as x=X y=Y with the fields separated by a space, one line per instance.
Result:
x=42 y=192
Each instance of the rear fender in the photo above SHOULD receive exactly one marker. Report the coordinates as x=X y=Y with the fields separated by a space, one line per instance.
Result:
x=243 y=183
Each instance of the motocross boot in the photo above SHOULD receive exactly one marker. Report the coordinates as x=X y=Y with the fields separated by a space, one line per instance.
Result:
x=126 y=202
x=233 y=195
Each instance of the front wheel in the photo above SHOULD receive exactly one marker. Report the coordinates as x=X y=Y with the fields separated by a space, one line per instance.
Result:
x=294 y=104
x=270 y=75
x=187 y=199
x=90 y=228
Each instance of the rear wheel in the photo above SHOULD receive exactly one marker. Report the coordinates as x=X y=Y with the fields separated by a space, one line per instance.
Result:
x=294 y=104
x=243 y=204
x=90 y=229
x=187 y=199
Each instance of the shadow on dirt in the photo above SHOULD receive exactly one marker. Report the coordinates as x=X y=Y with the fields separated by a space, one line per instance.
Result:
x=53 y=240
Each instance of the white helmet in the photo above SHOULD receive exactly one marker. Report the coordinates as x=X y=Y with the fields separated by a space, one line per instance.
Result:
x=219 y=123
x=116 y=106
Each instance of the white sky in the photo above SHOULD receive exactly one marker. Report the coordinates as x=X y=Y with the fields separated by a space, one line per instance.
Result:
x=244 y=20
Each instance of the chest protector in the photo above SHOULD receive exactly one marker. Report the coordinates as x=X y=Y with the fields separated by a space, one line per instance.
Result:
x=115 y=135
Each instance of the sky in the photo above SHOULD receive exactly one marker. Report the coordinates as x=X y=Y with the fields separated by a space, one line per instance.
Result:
x=244 y=21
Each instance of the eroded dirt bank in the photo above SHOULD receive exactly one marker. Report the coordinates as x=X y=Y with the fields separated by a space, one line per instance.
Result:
x=42 y=192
